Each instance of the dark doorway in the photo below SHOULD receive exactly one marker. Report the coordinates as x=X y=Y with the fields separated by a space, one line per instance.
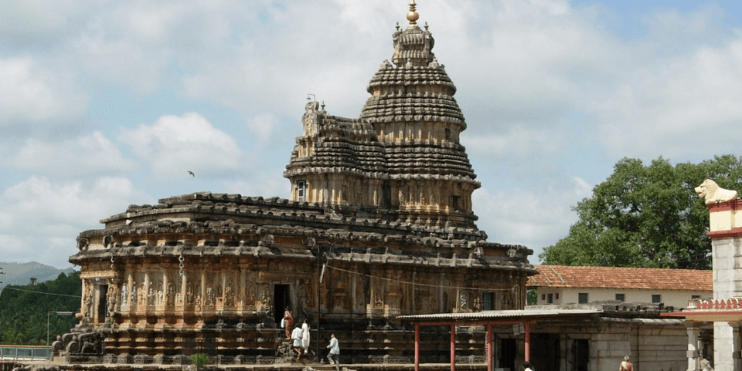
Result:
x=581 y=354
x=547 y=348
x=102 y=302
x=281 y=301
x=507 y=354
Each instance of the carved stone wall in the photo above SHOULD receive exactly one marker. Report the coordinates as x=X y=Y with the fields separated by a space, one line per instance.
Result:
x=205 y=268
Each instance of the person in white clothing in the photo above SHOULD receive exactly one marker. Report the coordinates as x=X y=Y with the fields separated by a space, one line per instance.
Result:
x=305 y=337
x=296 y=336
x=334 y=356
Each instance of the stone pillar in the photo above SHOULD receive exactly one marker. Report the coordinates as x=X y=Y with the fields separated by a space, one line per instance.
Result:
x=146 y=294
x=165 y=283
x=242 y=287
x=183 y=289
x=726 y=252
x=692 y=354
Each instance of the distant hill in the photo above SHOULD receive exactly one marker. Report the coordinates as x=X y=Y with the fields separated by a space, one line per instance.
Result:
x=21 y=273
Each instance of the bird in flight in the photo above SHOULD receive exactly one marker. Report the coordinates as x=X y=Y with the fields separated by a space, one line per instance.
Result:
x=192 y=174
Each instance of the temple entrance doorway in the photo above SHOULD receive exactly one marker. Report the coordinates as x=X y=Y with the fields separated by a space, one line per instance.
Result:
x=506 y=354
x=546 y=346
x=581 y=354
x=281 y=301
x=102 y=303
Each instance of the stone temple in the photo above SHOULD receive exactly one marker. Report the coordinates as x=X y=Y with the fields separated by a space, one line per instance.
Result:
x=379 y=224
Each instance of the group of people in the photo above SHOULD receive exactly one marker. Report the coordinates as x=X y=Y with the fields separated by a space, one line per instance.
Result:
x=301 y=336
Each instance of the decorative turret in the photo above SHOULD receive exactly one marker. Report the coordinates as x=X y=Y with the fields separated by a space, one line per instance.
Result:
x=403 y=153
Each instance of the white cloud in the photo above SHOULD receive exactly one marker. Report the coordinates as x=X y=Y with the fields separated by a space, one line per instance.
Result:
x=174 y=145
x=263 y=126
x=268 y=183
x=35 y=23
x=674 y=106
x=92 y=154
x=31 y=94
x=40 y=219
x=535 y=219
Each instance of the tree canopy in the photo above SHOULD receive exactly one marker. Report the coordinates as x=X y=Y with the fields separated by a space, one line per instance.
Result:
x=23 y=309
x=646 y=216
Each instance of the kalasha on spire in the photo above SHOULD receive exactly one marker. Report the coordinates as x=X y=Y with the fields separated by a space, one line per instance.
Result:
x=412 y=15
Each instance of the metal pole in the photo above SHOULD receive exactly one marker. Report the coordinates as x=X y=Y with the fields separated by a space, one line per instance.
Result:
x=490 y=366
x=528 y=342
x=417 y=347
x=319 y=298
x=48 y=353
x=453 y=347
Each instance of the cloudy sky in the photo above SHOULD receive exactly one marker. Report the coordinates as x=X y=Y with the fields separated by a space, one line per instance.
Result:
x=104 y=104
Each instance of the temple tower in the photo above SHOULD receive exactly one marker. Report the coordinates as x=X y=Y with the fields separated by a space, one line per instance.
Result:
x=403 y=153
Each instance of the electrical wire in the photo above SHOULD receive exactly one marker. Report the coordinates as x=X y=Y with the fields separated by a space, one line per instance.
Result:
x=39 y=292
x=413 y=283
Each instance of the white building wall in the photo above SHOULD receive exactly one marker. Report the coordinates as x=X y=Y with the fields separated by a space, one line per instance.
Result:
x=727 y=255
x=674 y=298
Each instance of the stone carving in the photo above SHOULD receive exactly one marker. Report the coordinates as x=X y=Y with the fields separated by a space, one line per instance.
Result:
x=228 y=295
x=507 y=301
x=251 y=293
x=160 y=295
x=477 y=304
x=141 y=296
x=189 y=294
x=79 y=343
x=209 y=296
x=82 y=244
x=517 y=304
x=124 y=298
x=265 y=301
x=303 y=298
x=711 y=192
x=151 y=296
x=464 y=301
x=133 y=297
x=88 y=300
x=170 y=296
x=111 y=295
x=378 y=303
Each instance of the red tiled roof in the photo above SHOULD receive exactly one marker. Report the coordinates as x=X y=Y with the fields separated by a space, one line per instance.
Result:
x=624 y=278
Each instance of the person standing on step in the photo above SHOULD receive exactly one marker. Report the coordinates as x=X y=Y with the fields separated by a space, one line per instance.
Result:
x=305 y=337
x=334 y=355
x=288 y=320
x=626 y=365
x=296 y=336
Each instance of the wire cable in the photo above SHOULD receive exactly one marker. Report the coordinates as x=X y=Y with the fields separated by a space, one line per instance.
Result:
x=40 y=292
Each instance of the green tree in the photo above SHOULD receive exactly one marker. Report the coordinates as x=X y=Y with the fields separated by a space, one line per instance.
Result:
x=646 y=216
x=24 y=309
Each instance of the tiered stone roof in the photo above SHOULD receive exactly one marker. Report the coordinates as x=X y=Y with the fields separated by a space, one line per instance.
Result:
x=404 y=147
x=237 y=225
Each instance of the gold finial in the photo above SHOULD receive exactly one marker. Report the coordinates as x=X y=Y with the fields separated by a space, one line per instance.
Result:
x=412 y=15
